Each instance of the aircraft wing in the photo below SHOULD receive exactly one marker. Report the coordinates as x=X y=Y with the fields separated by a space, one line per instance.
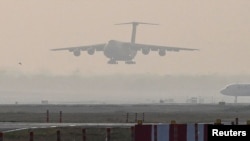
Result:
x=157 y=48
x=97 y=47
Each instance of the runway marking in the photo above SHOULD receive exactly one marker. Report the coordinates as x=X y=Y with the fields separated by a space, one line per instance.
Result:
x=15 y=130
x=17 y=126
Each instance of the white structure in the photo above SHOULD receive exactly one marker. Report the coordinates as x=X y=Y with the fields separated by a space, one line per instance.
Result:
x=236 y=90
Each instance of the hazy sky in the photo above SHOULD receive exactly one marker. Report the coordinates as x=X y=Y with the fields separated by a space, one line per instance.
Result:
x=219 y=28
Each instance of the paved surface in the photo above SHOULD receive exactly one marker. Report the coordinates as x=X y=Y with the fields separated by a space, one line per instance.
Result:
x=15 y=126
x=28 y=116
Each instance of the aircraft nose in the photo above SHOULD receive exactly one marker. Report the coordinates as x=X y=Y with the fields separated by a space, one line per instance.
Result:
x=223 y=91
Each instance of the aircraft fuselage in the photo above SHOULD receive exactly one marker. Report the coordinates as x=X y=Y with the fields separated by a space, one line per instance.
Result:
x=119 y=51
x=237 y=90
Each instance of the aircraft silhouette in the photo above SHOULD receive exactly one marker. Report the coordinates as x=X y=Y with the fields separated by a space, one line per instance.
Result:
x=123 y=51
x=237 y=89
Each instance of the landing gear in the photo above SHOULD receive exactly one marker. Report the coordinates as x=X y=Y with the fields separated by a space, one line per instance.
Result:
x=112 y=61
x=235 y=99
x=130 y=62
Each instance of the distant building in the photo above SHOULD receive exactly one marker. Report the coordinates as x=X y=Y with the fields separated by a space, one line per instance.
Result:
x=192 y=100
x=222 y=103
x=201 y=100
x=44 y=102
x=170 y=100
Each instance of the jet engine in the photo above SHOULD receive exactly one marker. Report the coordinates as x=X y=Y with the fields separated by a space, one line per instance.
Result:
x=145 y=51
x=77 y=52
x=91 y=51
x=162 y=52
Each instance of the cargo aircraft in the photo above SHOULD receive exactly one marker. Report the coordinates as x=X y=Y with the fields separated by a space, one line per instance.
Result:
x=123 y=51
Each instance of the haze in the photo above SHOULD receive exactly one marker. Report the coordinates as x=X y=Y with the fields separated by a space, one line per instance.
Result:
x=29 y=29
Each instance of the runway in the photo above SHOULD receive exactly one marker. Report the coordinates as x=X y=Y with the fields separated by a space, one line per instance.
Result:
x=22 y=117
x=16 y=126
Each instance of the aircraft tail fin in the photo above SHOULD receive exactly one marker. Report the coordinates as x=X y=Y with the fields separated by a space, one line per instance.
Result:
x=134 y=25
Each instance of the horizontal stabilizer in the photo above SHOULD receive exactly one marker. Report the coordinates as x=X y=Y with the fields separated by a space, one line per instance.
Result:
x=136 y=23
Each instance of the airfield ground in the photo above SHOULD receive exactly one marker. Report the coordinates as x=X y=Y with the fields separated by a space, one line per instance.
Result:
x=153 y=113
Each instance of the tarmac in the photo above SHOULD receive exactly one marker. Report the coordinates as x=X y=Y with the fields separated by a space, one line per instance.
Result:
x=16 y=126
x=104 y=116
